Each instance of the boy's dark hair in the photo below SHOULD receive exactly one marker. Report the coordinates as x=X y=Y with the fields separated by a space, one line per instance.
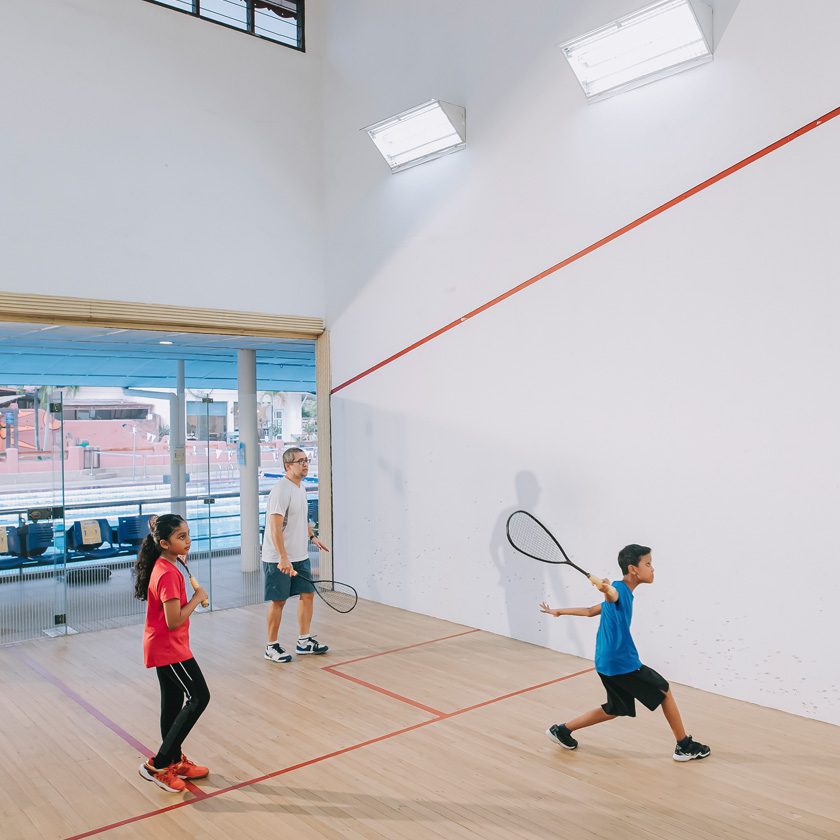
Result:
x=630 y=556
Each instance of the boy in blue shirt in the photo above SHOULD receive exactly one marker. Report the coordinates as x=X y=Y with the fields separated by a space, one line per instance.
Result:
x=618 y=664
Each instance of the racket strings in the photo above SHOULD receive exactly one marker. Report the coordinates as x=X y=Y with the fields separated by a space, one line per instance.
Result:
x=339 y=596
x=529 y=537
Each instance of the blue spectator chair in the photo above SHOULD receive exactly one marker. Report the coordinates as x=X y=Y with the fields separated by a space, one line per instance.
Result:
x=30 y=540
x=132 y=530
x=7 y=559
x=86 y=538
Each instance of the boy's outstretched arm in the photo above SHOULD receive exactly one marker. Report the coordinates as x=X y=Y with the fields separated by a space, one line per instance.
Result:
x=587 y=612
x=604 y=585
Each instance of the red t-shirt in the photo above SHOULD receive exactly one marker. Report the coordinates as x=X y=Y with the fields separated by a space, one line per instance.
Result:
x=162 y=646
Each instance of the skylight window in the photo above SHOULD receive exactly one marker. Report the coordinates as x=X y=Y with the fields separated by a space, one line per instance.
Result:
x=656 y=41
x=420 y=134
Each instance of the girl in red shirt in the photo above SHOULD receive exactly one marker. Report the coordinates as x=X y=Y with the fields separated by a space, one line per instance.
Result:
x=166 y=647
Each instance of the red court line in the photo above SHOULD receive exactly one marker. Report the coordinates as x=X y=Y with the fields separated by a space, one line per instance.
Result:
x=92 y=710
x=372 y=687
x=599 y=244
x=518 y=692
x=320 y=758
x=397 y=650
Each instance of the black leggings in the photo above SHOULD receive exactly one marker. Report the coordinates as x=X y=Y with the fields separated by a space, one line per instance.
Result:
x=183 y=697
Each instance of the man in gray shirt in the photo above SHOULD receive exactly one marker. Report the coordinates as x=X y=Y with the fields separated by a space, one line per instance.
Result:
x=285 y=553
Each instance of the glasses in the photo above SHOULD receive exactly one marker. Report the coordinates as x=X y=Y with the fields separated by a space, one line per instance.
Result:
x=301 y=461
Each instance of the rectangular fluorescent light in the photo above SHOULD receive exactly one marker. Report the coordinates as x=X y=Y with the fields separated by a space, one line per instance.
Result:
x=656 y=41
x=419 y=134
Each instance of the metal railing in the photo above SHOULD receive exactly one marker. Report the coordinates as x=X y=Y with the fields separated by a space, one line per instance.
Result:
x=64 y=592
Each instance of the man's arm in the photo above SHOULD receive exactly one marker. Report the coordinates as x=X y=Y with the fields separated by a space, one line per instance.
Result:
x=275 y=527
x=315 y=541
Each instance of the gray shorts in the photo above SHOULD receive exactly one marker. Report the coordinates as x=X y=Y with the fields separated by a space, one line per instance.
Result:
x=280 y=587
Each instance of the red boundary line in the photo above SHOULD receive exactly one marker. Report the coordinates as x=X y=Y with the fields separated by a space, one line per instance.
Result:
x=397 y=650
x=93 y=711
x=320 y=758
x=386 y=692
x=599 y=244
x=436 y=712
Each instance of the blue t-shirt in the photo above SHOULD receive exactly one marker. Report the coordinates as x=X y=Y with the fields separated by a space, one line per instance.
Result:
x=615 y=652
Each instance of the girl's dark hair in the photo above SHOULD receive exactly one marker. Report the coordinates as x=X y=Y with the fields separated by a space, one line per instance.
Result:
x=630 y=556
x=160 y=528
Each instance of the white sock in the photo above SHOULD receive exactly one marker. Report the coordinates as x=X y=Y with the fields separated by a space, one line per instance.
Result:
x=305 y=638
x=269 y=644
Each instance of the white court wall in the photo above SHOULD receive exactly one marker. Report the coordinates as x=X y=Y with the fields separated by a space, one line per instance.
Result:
x=676 y=388
x=149 y=156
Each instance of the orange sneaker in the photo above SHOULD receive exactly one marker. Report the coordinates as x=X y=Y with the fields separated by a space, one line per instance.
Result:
x=164 y=777
x=186 y=769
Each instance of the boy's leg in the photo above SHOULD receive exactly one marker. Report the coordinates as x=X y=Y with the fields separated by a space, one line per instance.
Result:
x=589 y=719
x=561 y=733
x=687 y=748
x=672 y=715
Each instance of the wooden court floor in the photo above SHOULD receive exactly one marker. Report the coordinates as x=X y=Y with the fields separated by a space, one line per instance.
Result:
x=410 y=727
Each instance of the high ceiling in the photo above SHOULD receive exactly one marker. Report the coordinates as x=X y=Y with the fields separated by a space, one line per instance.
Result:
x=40 y=354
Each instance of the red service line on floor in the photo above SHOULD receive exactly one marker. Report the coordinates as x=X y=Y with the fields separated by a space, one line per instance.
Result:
x=93 y=711
x=436 y=712
x=599 y=244
x=385 y=691
x=405 y=647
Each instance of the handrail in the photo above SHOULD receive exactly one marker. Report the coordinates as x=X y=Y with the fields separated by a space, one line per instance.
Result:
x=137 y=502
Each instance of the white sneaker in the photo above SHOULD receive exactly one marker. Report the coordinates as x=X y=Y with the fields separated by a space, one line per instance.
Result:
x=311 y=645
x=276 y=654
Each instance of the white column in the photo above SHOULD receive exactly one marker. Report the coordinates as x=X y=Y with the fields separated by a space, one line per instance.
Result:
x=292 y=416
x=178 y=443
x=249 y=511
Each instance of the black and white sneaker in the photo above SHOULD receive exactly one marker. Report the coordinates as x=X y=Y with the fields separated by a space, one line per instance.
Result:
x=688 y=749
x=276 y=654
x=560 y=734
x=311 y=645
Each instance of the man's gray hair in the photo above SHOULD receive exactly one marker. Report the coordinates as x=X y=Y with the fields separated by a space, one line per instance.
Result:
x=290 y=455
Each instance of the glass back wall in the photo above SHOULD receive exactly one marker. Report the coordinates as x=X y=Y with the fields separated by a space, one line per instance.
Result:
x=84 y=464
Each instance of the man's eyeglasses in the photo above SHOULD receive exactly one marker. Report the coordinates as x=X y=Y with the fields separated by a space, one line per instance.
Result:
x=301 y=461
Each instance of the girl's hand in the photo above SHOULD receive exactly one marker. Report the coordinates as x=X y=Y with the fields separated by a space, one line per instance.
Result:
x=200 y=594
x=546 y=609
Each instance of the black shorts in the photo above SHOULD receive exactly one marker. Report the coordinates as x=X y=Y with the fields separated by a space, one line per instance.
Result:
x=644 y=685
x=280 y=586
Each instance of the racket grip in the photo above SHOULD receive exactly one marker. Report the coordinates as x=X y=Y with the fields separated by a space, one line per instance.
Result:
x=194 y=584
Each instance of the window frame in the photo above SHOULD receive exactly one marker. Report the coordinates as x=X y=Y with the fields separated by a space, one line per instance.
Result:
x=250 y=28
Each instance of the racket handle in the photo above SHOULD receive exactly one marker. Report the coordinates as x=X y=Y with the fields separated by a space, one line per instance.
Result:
x=194 y=584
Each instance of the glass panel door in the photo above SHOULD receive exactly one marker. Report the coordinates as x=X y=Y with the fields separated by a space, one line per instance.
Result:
x=106 y=484
x=201 y=507
x=32 y=550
